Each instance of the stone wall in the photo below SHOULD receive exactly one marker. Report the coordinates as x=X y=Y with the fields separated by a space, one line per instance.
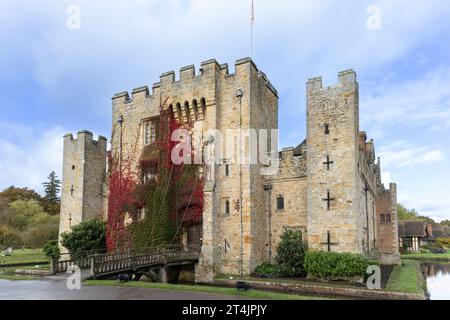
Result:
x=83 y=179
x=332 y=130
x=388 y=242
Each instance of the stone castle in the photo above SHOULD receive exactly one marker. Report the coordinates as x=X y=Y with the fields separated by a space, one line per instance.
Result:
x=329 y=186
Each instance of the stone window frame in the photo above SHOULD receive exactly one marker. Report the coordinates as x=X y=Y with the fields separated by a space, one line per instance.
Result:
x=226 y=206
x=227 y=167
x=280 y=196
x=149 y=130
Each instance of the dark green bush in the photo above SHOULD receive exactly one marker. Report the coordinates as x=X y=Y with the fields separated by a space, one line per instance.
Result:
x=51 y=249
x=85 y=238
x=333 y=266
x=291 y=254
x=266 y=270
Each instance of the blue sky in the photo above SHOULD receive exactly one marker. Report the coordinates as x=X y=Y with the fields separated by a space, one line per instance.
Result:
x=55 y=80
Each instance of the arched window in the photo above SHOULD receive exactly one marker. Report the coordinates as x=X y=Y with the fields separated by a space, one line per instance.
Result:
x=280 y=202
x=186 y=108
x=179 y=111
x=203 y=105
x=195 y=109
x=171 y=109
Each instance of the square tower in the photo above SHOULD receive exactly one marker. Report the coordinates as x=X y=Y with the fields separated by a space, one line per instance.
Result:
x=334 y=221
x=83 y=180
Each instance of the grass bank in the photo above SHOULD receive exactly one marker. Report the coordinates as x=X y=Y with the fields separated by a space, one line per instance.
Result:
x=255 y=294
x=24 y=256
x=407 y=278
x=444 y=257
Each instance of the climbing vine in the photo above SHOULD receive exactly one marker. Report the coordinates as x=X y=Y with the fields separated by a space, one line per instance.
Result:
x=159 y=197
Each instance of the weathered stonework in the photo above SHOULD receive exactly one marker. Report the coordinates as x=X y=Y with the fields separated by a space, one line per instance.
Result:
x=237 y=241
x=83 y=181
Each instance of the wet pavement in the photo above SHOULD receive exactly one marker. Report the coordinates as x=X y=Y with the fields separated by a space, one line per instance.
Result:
x=55 y=288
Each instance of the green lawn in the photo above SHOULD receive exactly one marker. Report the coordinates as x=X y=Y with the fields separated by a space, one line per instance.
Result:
x=406 y=278
x=24 y=256
x=427 y=256
x=217 y=290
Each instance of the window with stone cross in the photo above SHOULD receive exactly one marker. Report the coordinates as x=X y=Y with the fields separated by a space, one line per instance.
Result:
x=326 y=128
x=149 y=132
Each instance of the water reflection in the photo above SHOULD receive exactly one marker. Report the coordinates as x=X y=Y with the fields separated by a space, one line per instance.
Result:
x=438 y=280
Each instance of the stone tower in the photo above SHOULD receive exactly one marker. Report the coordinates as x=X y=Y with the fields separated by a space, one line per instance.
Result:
x=334 y=222
x=84 y=170
x=234 y=230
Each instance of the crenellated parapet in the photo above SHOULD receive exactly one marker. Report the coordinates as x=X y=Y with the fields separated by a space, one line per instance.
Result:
x=209 y=72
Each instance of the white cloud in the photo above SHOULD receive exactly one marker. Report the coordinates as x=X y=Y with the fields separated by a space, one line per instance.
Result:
x=403 y=154
x=28 y=163
x=386 y=177
x=423 y=102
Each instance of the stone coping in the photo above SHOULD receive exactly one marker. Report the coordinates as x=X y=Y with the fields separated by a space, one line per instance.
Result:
x=323 y=289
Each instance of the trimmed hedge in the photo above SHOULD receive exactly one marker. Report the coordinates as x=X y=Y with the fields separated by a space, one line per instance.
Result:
x=334 y=266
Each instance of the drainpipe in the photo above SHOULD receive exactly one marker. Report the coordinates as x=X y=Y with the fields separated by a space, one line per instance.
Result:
x=268 y=188
x=366 y=189
x=239 y=95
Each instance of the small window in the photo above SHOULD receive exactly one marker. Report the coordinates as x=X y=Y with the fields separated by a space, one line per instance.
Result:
x=227 y=206
x=73 y=167
x=227 y=170
x=280 y=202
x=149 y=132
x=388 y=218
x=326 y=128
x=383 y=218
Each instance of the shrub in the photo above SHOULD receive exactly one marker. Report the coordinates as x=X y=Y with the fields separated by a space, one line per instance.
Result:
x=51 y=249
x=87 y=237
x=266 y=270
x=335 y=266
x=38 y=235
x=9 y=237
x=291 y=254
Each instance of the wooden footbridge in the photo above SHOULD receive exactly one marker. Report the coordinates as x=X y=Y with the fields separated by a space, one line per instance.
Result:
x=133 y=263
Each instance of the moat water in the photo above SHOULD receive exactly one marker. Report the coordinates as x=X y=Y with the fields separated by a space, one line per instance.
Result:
x=438 y=280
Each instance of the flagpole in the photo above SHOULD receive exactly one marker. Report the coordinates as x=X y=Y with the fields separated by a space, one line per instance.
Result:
x=251 y=30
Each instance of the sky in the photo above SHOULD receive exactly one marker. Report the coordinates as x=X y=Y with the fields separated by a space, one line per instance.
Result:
x=62 y=61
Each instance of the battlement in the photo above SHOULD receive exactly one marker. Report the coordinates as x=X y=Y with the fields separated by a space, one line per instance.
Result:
x=346 y=77
x=87 y=137
x=209 y=70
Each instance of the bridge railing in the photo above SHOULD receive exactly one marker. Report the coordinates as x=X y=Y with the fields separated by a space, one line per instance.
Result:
x=103 y=264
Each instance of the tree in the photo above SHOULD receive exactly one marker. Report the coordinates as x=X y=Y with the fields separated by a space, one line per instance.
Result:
x=87 y=237
x=445 y=223
x=9 y=236
x=12 y=194
x=291 y=254
x=406 y=214
x=21 y=213
x=52 y=188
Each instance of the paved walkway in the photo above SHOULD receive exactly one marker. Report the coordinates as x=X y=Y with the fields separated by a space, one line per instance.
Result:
x=55 y=288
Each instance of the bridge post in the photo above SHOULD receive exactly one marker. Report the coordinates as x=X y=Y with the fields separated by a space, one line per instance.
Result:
x=53 y=265
x=162 y=276
x=91 y=263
